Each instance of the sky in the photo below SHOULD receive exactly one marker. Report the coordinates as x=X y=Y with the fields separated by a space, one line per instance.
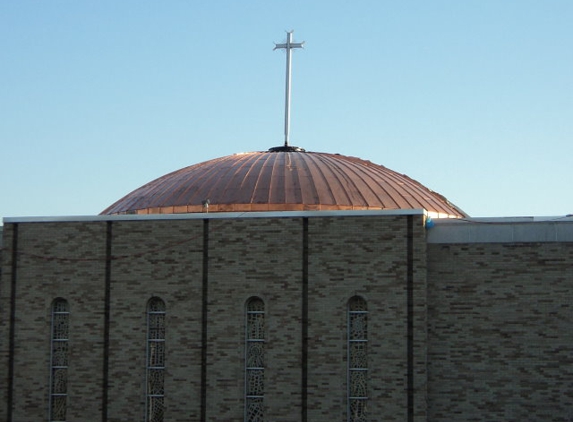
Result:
x=474 y=99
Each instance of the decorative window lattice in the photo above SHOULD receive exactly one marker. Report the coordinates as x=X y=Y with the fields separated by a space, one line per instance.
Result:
x=255 y=361
x=357 y=360
x=59 y=361
x=155 y=371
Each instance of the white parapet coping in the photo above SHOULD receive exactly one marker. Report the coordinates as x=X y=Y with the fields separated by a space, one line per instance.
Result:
x=502 y=230
x=215 y=215
x=442 y=230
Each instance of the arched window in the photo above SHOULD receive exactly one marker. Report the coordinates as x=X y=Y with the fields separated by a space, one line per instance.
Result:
x=59 y=360
x=357 y=360
x=254 y=360
x=155 y=372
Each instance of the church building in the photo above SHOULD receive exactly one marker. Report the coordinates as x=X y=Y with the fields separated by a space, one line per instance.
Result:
x=286 y=286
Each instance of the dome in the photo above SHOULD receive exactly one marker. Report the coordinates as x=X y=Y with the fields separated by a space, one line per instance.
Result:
x=282 y=179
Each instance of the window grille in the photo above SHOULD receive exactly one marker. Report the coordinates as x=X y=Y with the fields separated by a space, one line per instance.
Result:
x=255 y=360
x=155 y=372
x=357 y=360
x=59 y=359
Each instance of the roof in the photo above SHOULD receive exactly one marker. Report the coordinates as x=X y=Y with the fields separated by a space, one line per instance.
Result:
x=282 y=179
x=502 y=230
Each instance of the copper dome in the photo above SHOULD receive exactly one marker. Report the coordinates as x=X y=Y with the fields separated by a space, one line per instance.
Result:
x=282 y=179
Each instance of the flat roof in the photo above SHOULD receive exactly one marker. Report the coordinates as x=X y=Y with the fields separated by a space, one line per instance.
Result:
x=502 y=230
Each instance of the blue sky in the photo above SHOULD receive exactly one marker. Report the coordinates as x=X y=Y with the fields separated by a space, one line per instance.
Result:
x=474 y=99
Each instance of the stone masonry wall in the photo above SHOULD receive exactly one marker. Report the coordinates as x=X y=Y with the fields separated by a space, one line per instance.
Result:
x=248 y=257
x=54 y=260
x=500 y=343
x=155 y=259
x=254 y=257
x=365 y=257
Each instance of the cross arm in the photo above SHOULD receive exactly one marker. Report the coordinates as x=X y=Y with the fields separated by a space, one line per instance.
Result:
x=289 y=45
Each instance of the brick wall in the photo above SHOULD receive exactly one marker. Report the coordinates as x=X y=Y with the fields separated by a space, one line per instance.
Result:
x=500 y=332
x=78 y=279
x=366 y=256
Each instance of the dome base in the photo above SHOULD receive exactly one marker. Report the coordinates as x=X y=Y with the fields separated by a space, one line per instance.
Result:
x=286 y=148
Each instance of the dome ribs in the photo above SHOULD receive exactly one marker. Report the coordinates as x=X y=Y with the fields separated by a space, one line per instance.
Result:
x=309 y=195
x=241 y=180
x=168 y=190
x=362 y=179
x=282 y=181
x=347 y=182
x=295 y=182
x=143 y=197
x=394 y=188
x=388 y=194
x=321 y=178
x=263 y=178
x=327 y=196
x=415 y=193
x=194 y=186
x=277 y=189
x=198 y=186
x=410 y=196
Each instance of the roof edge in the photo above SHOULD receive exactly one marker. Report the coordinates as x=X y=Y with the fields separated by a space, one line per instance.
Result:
x=214 y=216
x=502 y=230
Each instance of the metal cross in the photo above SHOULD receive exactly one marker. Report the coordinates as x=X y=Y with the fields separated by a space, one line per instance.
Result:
x=288 y=46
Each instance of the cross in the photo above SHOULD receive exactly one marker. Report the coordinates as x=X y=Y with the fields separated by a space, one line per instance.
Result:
x=288 y=46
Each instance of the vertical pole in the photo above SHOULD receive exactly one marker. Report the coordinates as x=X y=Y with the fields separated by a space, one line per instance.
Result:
x=288 y=46
x=287 y=88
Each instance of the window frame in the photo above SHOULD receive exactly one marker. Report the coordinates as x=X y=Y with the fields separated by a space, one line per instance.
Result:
x=153 y=344
x=261 y=339
x=59 y=308
x=352 y=340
